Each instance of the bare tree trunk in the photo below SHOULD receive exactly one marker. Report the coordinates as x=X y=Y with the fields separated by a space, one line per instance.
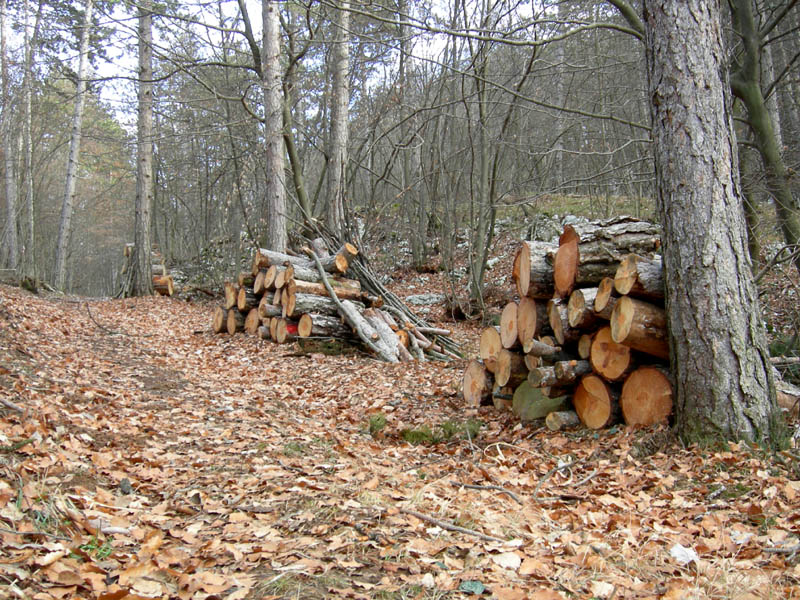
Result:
x=746 y=84
x=724 y=385
x=65 y=223
x=10 y=239
x=340 y=97
x=276 y=235
x=29 y=249
x=141 y=278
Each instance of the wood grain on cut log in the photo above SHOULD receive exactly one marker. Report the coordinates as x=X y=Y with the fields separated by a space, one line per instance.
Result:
x=640 y=277
x=280 y=278
x=609 y=359
x=163 y=285
x=532 y=361
x=565 y=266
x=559 y=322
x=530 y=316
x=285 y=331
x=605 y=299
x=252 y=321
x=258 y=284
x=219 y=324
x=585 y=345
x=641 y=326
x=269 y=277
x=646 y=397
x=477 y=384
x=596 y=403
x=529 y=404
x=558 y=420
x=260 y=261
x=235 y=321
x=246 y=299
x=580 y=308
x=510 y=368
x=489 y=347
x=509 y=335
x=273 y=328
x=231 y=294
x=535 y=278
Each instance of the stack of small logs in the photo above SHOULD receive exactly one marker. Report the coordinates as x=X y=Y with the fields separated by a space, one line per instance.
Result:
x=285 y=297
x=163 y=283
x=587 y=340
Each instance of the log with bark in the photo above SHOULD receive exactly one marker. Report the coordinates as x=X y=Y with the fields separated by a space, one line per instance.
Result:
x=163 y=285
x=219 y=323
x=640 y=277
x=641 y=326
x=235 y=321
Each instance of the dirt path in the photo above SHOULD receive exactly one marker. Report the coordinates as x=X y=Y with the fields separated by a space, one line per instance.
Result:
x=169 y=462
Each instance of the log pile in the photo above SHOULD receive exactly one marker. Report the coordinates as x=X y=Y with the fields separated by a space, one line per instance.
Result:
x=163 y=282
x=286 y=297
x=587 y=340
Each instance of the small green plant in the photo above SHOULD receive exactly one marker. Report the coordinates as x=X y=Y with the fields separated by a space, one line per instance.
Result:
x=376 y=423
x=97 y=550
x=420 y=435
x=293 y=449
x=444 y=432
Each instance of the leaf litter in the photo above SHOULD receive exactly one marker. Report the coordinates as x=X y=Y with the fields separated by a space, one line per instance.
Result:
x=153 y=459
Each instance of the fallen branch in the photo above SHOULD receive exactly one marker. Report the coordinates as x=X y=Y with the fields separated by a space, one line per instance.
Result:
x=451 y=527
x=17 y=446
x=9 y=404
x=472 y=486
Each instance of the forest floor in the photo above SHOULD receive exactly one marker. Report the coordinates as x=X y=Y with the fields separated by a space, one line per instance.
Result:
x=154 y=459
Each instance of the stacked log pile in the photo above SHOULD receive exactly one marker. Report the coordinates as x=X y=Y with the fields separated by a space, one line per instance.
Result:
x=587 y=340
x=163 y=282
x=286 y=297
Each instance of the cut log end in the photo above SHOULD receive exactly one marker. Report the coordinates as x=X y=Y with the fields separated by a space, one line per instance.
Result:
x=219 y=323
x=477 y=384
x=595 y=402
x=646 y=397
x=608 y=358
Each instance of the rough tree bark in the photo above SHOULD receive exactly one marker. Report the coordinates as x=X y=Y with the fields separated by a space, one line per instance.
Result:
x=140 y=276
x=724 y=386
x=275 y=235
x=337 y=155
x=65 y=222
x=11 y=246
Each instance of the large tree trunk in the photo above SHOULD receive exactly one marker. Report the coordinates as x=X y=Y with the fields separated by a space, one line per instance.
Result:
x=65 y=223
x=141 y=278
x=724 y=387
x=276 y=236
x=337 y=154
x=11 y=247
